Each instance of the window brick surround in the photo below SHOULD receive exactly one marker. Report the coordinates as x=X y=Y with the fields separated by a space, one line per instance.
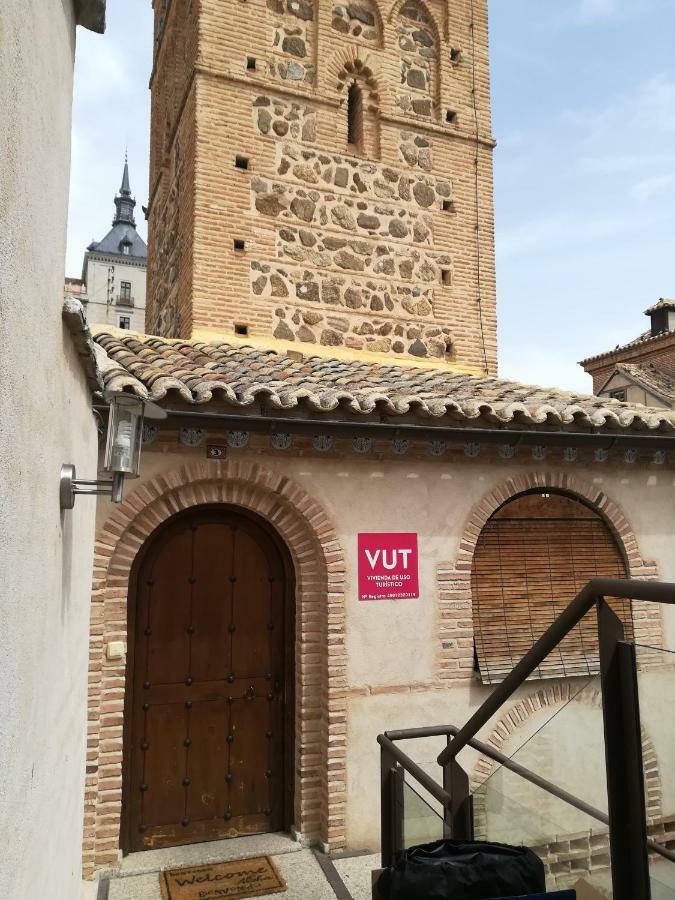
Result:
x=320 y=652
x=455 y=627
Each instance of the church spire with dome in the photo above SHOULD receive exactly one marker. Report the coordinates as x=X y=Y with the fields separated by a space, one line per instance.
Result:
x=123 y=237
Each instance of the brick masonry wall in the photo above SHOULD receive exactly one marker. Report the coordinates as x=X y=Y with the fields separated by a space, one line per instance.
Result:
x=269 y=82
x=569 y=857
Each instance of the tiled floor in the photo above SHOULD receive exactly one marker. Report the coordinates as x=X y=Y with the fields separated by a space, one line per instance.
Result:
x=139 y=875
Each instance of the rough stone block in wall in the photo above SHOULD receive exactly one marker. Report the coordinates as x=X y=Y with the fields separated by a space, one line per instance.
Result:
x=290 y=70
x=374 y=335
x=359 y=20
x=290 y=203
x=282 y=118
x=415 y=32
x=415 y=150
x=292 y=40
x=419 y=60
x=352 y=175
x=359 y=295
x=378 y=258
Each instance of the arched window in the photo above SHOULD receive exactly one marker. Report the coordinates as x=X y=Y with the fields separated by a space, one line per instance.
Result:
x=355 y=117
x=532 y=558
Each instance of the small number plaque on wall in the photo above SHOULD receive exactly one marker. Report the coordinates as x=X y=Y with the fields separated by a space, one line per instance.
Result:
x=216 y=451
x=388 y=566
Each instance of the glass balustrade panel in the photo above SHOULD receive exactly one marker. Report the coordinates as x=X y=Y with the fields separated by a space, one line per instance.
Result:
x=656 y=690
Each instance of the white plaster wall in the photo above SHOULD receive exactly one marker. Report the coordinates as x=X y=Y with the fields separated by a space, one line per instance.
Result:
x=98 y=310
x=391 y=644
x=634 y=394
x=45 y=420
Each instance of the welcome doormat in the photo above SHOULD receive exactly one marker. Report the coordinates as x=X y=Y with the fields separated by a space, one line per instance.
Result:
x=239 y=878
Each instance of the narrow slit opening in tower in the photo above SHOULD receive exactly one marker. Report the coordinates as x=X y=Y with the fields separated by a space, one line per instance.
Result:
x=354 y=116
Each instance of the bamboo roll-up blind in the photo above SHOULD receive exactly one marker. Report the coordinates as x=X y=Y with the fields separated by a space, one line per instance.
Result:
x=531 y=559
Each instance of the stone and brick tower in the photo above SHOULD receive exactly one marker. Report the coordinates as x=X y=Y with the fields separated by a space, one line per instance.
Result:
x=321 y=177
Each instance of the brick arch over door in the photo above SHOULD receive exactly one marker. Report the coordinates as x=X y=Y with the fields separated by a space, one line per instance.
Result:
x=456 y=649
x=318 y=560
x=553 y=698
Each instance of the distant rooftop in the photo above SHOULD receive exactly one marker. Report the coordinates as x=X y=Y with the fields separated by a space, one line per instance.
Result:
x=662 y=327
x=664 y=303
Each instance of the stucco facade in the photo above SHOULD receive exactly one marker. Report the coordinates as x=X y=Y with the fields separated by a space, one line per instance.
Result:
x=107 y=299
x=387 y=664
x=45 y=420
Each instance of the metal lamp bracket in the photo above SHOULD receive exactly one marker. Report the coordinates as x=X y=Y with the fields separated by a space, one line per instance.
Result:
x=70 y=485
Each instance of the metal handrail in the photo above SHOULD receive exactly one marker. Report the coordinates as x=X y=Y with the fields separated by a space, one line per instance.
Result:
x=410 y=766
x=629 y=842
x=597 y=588
x=388 y=739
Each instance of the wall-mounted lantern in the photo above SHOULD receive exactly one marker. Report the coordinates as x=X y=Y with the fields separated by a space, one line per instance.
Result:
x=122 y=450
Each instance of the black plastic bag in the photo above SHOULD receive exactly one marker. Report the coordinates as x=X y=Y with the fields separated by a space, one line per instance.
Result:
x=463 y=870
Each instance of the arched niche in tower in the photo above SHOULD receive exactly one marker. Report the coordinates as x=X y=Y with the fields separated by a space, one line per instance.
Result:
x=418 y=43
x=360 y=102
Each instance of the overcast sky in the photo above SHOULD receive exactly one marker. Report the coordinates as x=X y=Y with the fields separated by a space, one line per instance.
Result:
x=583 y=95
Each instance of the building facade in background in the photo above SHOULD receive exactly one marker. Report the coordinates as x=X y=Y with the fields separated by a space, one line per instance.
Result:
x=643 y=370
x=113 y=284
x=322 y=334
x=46 y=420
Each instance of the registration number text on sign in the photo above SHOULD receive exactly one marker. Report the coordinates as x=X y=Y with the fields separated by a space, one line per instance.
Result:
x=388 y=566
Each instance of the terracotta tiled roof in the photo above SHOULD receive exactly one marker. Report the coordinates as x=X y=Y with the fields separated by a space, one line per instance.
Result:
x=73 y=315
x=645 y=338
x=651 y=378
x=197 y=372
x=664 y=303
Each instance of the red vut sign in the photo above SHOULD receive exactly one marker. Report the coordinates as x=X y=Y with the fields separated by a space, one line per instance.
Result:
x=388 y=566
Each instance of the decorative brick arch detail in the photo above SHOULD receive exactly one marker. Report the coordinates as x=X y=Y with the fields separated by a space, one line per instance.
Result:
x=312 y=541
x=352 y=63
x=456 y=642
x=438 y=31
x=555 y=695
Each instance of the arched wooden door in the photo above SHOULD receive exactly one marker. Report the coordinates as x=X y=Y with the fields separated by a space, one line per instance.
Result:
x=209 y=708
